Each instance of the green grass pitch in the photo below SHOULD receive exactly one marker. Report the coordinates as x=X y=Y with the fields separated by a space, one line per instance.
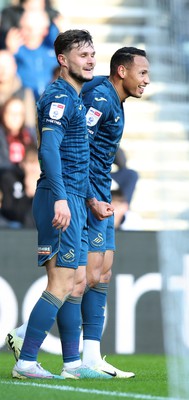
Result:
x=150 y=382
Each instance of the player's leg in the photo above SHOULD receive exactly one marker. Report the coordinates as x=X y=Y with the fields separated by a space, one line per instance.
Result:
x=69 y=318
x=93 y=308
x=41 y=320
x=92 y=348
x=96 y=296
x=47 y=234
x=60 y=284
x=70 y=323
x=93 y=332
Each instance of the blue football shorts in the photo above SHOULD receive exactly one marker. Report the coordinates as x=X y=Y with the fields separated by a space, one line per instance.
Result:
x=70 y=246
x=101 y=234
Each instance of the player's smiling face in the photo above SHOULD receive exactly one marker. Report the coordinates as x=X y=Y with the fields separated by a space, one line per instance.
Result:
x=81 y=62
x=136 y=77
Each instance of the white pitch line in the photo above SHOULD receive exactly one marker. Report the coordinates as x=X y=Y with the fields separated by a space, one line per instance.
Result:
x=89 y=391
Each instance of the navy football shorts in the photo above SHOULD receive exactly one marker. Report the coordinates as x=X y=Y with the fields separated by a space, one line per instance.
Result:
x=101 y=234
x=70 y=246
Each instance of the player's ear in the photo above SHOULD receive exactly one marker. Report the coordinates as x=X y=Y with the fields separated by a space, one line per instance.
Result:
x=62 y=60
x=121 y=70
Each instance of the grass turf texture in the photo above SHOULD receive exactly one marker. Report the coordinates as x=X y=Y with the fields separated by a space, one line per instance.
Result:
x=150 y=382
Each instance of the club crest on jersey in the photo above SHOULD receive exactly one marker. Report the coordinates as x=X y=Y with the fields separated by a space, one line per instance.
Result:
x=92 y=116
x=56 y=110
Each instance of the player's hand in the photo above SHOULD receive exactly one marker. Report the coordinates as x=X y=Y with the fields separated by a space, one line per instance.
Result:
x=62 y=215
x=100 y=209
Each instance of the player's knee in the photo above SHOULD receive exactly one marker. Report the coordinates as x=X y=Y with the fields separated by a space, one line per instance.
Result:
x=93 y=279
x=106 y=277
x=69 y=289
x=79 y=288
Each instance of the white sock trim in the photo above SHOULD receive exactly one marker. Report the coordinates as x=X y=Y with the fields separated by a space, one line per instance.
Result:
x=23 y=364
x=72 y=364
x=91 y=352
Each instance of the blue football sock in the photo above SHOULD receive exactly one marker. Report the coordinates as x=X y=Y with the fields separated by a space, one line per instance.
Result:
x=40 y=322
x=93 y=308
x=69 y=326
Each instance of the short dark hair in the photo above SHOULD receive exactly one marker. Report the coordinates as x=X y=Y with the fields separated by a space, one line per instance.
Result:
x=66 y=40
x=125 y=55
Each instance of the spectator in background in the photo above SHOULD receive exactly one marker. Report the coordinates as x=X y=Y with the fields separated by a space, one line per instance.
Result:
x=124 y=182
x=11 y=85
x=14 y=135
x=17 y=186
x=125 y=177
x=10 y=18
x=34 y=56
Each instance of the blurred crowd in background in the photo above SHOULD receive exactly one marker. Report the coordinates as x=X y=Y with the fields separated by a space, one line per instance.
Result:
x=28 y=64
